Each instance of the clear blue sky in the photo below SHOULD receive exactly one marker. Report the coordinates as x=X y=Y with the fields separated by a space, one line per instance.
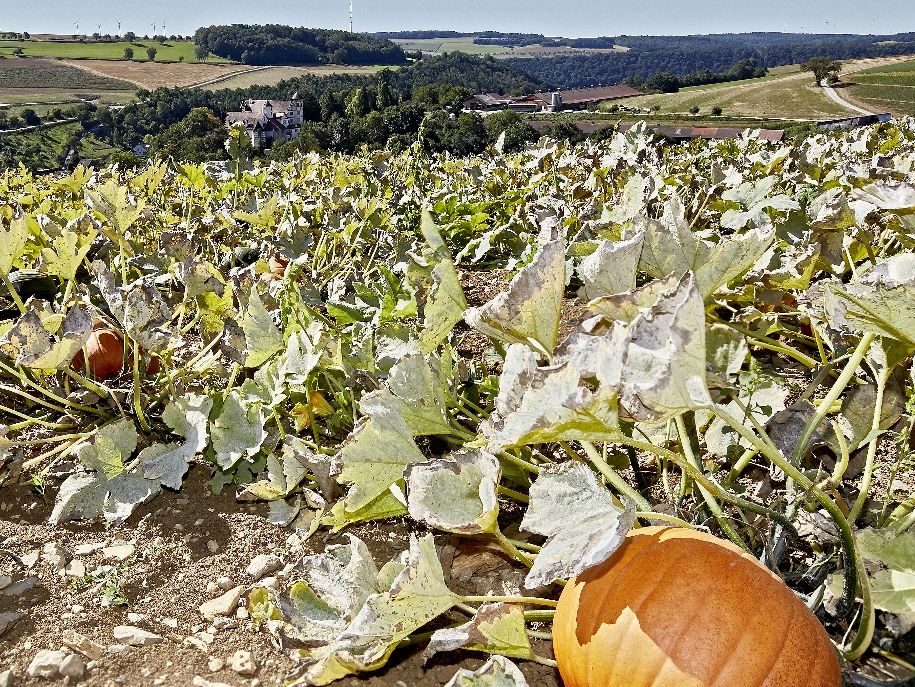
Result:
x=552 y=17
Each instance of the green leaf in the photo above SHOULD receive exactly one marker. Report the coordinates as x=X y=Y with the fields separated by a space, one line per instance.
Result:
x=67 y=252
x=893 y=588
x=113 y=445
x=529 y=311
x=496 y=628
x=262 y=337
x=457 y=493
x=375 y=456
x=577 y=515
x=12 y=243
x=385 y=506
x=113 y=203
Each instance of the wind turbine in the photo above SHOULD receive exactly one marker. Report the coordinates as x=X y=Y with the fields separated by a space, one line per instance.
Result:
x=350 y=16
x=76 y=24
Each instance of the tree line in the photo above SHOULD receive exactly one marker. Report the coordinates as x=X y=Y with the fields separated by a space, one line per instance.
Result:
x=279 y=44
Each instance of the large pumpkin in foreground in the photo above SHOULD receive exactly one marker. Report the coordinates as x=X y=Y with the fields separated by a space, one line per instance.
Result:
x=678 y=608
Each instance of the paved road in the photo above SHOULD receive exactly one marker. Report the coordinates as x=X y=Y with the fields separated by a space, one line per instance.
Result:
x=836 y=98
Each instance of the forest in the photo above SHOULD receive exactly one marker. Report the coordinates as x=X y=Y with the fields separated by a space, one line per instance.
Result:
x=278 y=44
x=681 y=55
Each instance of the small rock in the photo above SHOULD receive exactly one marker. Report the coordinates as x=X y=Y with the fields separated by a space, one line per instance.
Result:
x=46 y=664
x=72 y=667
x=120 y=552
x=203 y=682
x=200 y=640
x=171 y=623
x=242 y=663
x=75 y=568
x=88 y=549
x=91 y=650
x=269 y=583
x=224 y=583
x=117 y=648
x=215 y=664
x=212 y=588
x=242 y=614
x=221 y=605
x=6 y=678
x=30 y=559
x=134 y=636
x=225 y=623
x=55 y=555
x=135 y=618
x=264 y=564
x=8 y=619
x=5 y=581
x=212 y=546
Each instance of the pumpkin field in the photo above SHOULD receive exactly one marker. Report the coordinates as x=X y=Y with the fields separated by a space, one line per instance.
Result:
x=622 y=413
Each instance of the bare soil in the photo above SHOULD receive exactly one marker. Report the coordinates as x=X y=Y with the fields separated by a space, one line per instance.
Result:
x=184 y=542
x=150 y=75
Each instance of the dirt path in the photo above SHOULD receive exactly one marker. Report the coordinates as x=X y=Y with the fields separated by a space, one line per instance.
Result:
x=839 y=100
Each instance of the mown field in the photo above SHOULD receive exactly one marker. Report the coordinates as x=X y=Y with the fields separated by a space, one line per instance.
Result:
x=170 y=51
x=151 y=75
x=273 y=75
x=40 y=74
x=466 y=45
x=890 y=87
x=344 y=412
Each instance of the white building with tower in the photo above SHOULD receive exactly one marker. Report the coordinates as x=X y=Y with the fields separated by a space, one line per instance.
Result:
x=269 y=121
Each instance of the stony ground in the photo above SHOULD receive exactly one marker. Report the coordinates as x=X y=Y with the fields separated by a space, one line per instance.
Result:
x=160 y=600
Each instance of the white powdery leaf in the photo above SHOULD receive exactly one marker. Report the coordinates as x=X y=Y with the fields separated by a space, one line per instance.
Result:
x=611 y=268
x=334 y=587
x=187 y=416
x=375 y=456
x=888 y=195
x=31 y=345
x=86 y=497
x=12 y=243
x=498 y=671
x=200 y=277
x=664 y=370
x=414 y=387
x=304 y=350
x=457 y=493
x=166 y=463
x=529 y=311
x=881 y=301
x=671 y=247
x=576 y=514
x=444 y=303
x=238 y=432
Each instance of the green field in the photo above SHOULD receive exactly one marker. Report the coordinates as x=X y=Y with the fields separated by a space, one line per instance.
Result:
x=890 y=87
x=273 y=75
x=41 y=74
x=170 y=51
x=45 y=148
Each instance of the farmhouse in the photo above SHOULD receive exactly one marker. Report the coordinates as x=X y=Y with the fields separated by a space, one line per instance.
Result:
x=852 y=122
x=556 y=101
x=269 y=121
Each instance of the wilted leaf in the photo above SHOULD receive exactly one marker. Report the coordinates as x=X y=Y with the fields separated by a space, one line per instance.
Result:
x=577 y=515
x=12 y=243
x=496 y=672
x=187 y=416
x=529 y=311
x=238 y=432
x=262 y=337
x=139 y=307
x=67 y=252
x=414 y=389
x=31 y=345
x=893 y=588
x=497 y=628
x=611 y=268
x=671 y=247
x=457 y=493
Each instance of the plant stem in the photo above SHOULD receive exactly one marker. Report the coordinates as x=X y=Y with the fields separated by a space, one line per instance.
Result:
x=508 y=547
x=613 y=477
x=511 y=493
x=539 y=616
x=533 y=600
x=13 y=293
x=868 y=473
x=710 y=500
x=137 y=402
x=651 y=515
x=520 y=462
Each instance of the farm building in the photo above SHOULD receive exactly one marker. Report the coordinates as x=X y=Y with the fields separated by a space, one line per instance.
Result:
x=852 y=122
x=269 y=121
x=556 y=101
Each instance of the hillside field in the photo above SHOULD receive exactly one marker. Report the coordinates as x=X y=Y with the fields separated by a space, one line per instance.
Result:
x=47 y=146
x=440 y=46
x=890 y=87
x=151 y=75
x=170 y=51
x=273 y=75
x=786 y=93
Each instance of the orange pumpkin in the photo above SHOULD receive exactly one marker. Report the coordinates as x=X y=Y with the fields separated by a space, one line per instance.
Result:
x=678 y=608
x=105 y=353
x=278 y=265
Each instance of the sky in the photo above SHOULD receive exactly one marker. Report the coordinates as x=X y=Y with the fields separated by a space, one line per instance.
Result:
x=571 y=18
